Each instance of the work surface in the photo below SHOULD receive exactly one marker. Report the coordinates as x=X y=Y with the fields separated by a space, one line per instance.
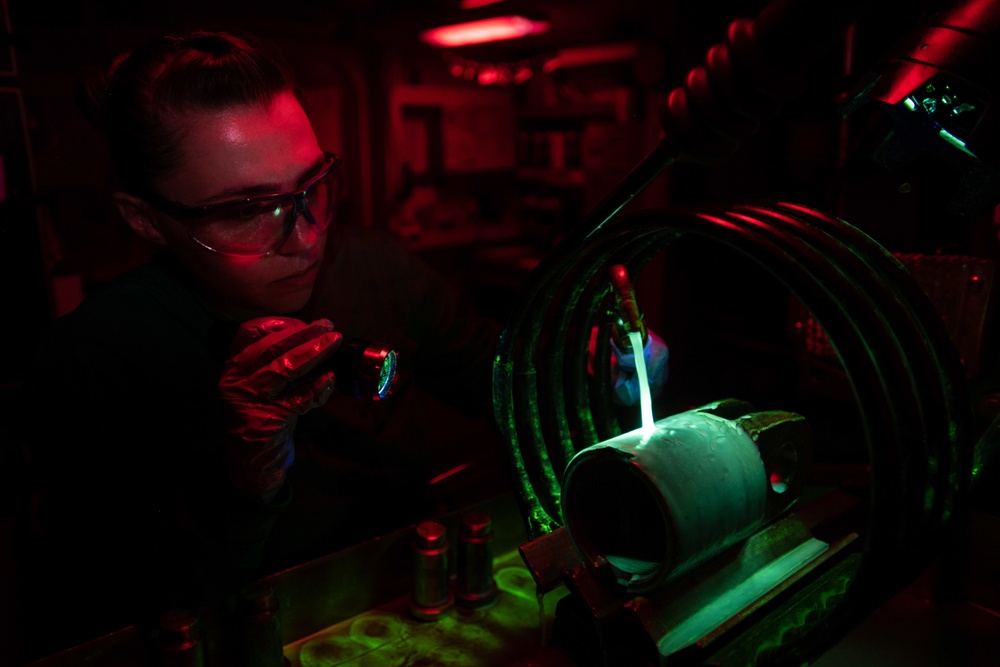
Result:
x=351 y=609
x=511 y=632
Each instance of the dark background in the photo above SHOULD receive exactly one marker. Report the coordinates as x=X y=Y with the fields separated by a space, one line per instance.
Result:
x=413 y=136
x=483 y=213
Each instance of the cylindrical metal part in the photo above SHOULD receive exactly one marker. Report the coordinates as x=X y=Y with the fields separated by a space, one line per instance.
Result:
x=432 y=594
x=476 y=586
x=631 y=319
x=365 y=369
x=181 y=643
x=261 y=626
x=655 y=503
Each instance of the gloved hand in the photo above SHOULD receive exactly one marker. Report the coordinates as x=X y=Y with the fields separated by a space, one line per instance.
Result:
x=623 y=374
x=265 y=386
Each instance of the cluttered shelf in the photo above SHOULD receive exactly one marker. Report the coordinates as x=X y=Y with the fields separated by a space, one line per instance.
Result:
x=430 y=238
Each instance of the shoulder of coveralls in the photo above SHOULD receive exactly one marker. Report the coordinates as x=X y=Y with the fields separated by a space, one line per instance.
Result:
x=144 y=307
x=373 y=264
x=131 y=356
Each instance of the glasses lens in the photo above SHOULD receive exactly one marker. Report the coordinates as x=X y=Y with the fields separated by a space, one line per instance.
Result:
x=258 y=227
x=321 y=198
x=252 y=228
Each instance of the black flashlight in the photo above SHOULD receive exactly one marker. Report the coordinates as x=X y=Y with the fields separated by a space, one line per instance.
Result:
x=364 y=369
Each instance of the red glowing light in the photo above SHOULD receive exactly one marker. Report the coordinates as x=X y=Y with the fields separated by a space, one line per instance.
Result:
x=488 y=75
x=522 y=75
x=472 y=4
x=486 y=30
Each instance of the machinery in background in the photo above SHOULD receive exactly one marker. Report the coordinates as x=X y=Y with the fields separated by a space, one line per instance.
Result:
x=608 y=536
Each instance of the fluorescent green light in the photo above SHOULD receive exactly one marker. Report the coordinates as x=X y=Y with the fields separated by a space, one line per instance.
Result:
x=954 y=141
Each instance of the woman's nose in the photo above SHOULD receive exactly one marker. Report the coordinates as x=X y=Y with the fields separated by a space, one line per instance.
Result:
x=305 y=234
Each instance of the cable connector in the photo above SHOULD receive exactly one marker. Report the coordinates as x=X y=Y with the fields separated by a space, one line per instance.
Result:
x=630 y=315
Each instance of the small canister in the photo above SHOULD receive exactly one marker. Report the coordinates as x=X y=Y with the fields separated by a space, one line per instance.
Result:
x=476 y=587
x=181 y=643
x=432 y=595
x=261 y=638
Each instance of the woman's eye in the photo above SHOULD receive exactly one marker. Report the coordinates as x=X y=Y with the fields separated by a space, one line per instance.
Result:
x=257 y=210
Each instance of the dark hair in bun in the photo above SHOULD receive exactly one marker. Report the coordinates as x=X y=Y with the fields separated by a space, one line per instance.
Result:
x=140 y=97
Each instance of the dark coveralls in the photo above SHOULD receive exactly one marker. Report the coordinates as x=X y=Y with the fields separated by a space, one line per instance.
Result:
x=136 y=513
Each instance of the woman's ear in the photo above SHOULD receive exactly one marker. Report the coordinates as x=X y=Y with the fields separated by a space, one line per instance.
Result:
x=138 y=216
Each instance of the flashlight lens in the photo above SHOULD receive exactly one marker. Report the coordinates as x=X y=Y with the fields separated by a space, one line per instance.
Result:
x=386 y=374
x=364 y=370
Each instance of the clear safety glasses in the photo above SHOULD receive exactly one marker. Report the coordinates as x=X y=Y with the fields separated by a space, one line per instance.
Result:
x=258 y=226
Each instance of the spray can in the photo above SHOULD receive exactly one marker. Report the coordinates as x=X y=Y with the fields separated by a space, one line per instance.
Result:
x=475 y=587
x=181 y=641
x=432 y=595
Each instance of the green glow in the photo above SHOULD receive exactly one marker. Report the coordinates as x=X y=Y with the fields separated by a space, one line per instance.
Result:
x=910 y=104
x=798 y=619
x=539 y=521
x=549 y=482
x=386 y=373
x=473 y=638
x=645 y=400
x=954 y=141
x=929 y=494
x=374 y=631
x=700 y=622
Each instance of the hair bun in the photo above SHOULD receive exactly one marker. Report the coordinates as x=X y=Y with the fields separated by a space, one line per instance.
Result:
x=136 y=100
x=211 y=43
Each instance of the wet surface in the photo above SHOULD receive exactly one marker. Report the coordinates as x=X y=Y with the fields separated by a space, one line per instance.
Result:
x=510 y=631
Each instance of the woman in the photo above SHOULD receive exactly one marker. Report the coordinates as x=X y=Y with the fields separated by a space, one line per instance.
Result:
x=172 y=405
x=164 y=485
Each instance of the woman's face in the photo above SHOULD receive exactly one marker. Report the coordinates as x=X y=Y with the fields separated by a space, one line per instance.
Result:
x=236 y=153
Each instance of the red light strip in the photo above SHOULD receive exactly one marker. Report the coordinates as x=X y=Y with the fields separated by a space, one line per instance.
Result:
x=472 y=4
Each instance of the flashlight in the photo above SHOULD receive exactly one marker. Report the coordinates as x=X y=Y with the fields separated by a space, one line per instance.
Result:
x=364 y=369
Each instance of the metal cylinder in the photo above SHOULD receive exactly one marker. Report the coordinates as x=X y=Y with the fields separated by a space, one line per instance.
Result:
x=181 y=642
x=475 y=587
x=655 y=503
x=432 y=594
x=261 y=638
x=365 y=369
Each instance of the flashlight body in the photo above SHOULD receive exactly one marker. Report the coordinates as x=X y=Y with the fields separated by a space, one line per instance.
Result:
x=365 y=370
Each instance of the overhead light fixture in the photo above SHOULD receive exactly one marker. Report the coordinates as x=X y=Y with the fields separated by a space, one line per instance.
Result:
x=472 y=4
x=494 y=29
